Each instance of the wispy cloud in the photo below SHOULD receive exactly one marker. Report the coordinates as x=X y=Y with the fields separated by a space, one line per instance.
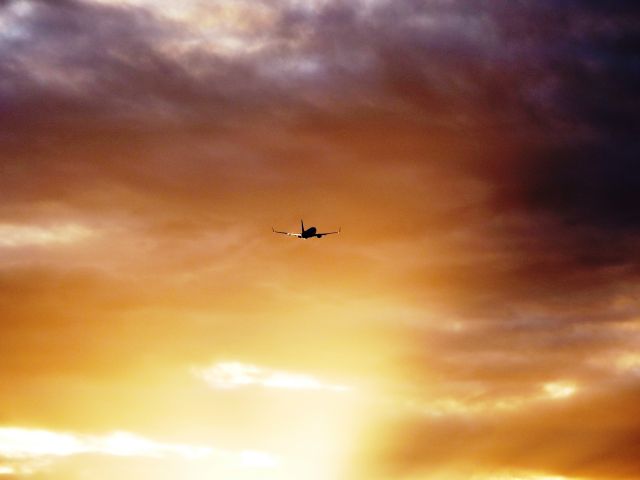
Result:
x=26 y=450
x=232 y=375
x=16 y=235
x=560 y=389
x=516 y=475
x=26 y=443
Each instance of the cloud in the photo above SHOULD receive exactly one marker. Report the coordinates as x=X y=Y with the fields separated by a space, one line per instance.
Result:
x=23 y=235
x=25 y=451
x=589 y=435
x=231 y=375
x=25 y=443
x=482 y=156
x=521 y=476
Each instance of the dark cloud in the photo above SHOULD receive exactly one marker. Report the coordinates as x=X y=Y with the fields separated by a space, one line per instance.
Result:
x=484 y=155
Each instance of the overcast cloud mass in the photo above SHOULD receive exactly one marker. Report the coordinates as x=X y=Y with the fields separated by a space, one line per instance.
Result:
x=476 y=319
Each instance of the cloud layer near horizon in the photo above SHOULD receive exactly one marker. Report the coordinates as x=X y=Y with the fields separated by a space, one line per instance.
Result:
x=481 y=158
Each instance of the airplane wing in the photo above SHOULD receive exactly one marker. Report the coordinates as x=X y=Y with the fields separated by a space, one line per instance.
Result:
x=286 y=233
x=329 y=233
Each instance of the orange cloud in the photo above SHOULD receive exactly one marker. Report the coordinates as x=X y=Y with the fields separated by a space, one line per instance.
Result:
x=481 y=301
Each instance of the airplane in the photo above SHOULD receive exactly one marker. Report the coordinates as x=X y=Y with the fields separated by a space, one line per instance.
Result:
x=308 y=233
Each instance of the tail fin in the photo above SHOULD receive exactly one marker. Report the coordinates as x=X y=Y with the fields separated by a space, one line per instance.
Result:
x=302 y=226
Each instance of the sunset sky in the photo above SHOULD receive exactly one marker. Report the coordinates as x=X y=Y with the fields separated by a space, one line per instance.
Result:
x=476 y=319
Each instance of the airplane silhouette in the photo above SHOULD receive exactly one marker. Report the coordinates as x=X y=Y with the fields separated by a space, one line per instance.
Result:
x=310 y=232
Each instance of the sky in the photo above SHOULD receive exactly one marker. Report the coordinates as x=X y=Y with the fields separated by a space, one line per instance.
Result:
x=476 y=318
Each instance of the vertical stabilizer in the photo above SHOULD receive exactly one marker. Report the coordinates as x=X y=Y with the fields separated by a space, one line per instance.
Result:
x=301 y=226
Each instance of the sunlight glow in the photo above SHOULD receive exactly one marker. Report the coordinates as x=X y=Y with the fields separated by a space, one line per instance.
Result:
x=7 y=470
x=254 y=459
x=12 y=235
x=231 y=375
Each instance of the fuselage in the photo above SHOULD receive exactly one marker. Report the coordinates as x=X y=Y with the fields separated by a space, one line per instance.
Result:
x=310 y=233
